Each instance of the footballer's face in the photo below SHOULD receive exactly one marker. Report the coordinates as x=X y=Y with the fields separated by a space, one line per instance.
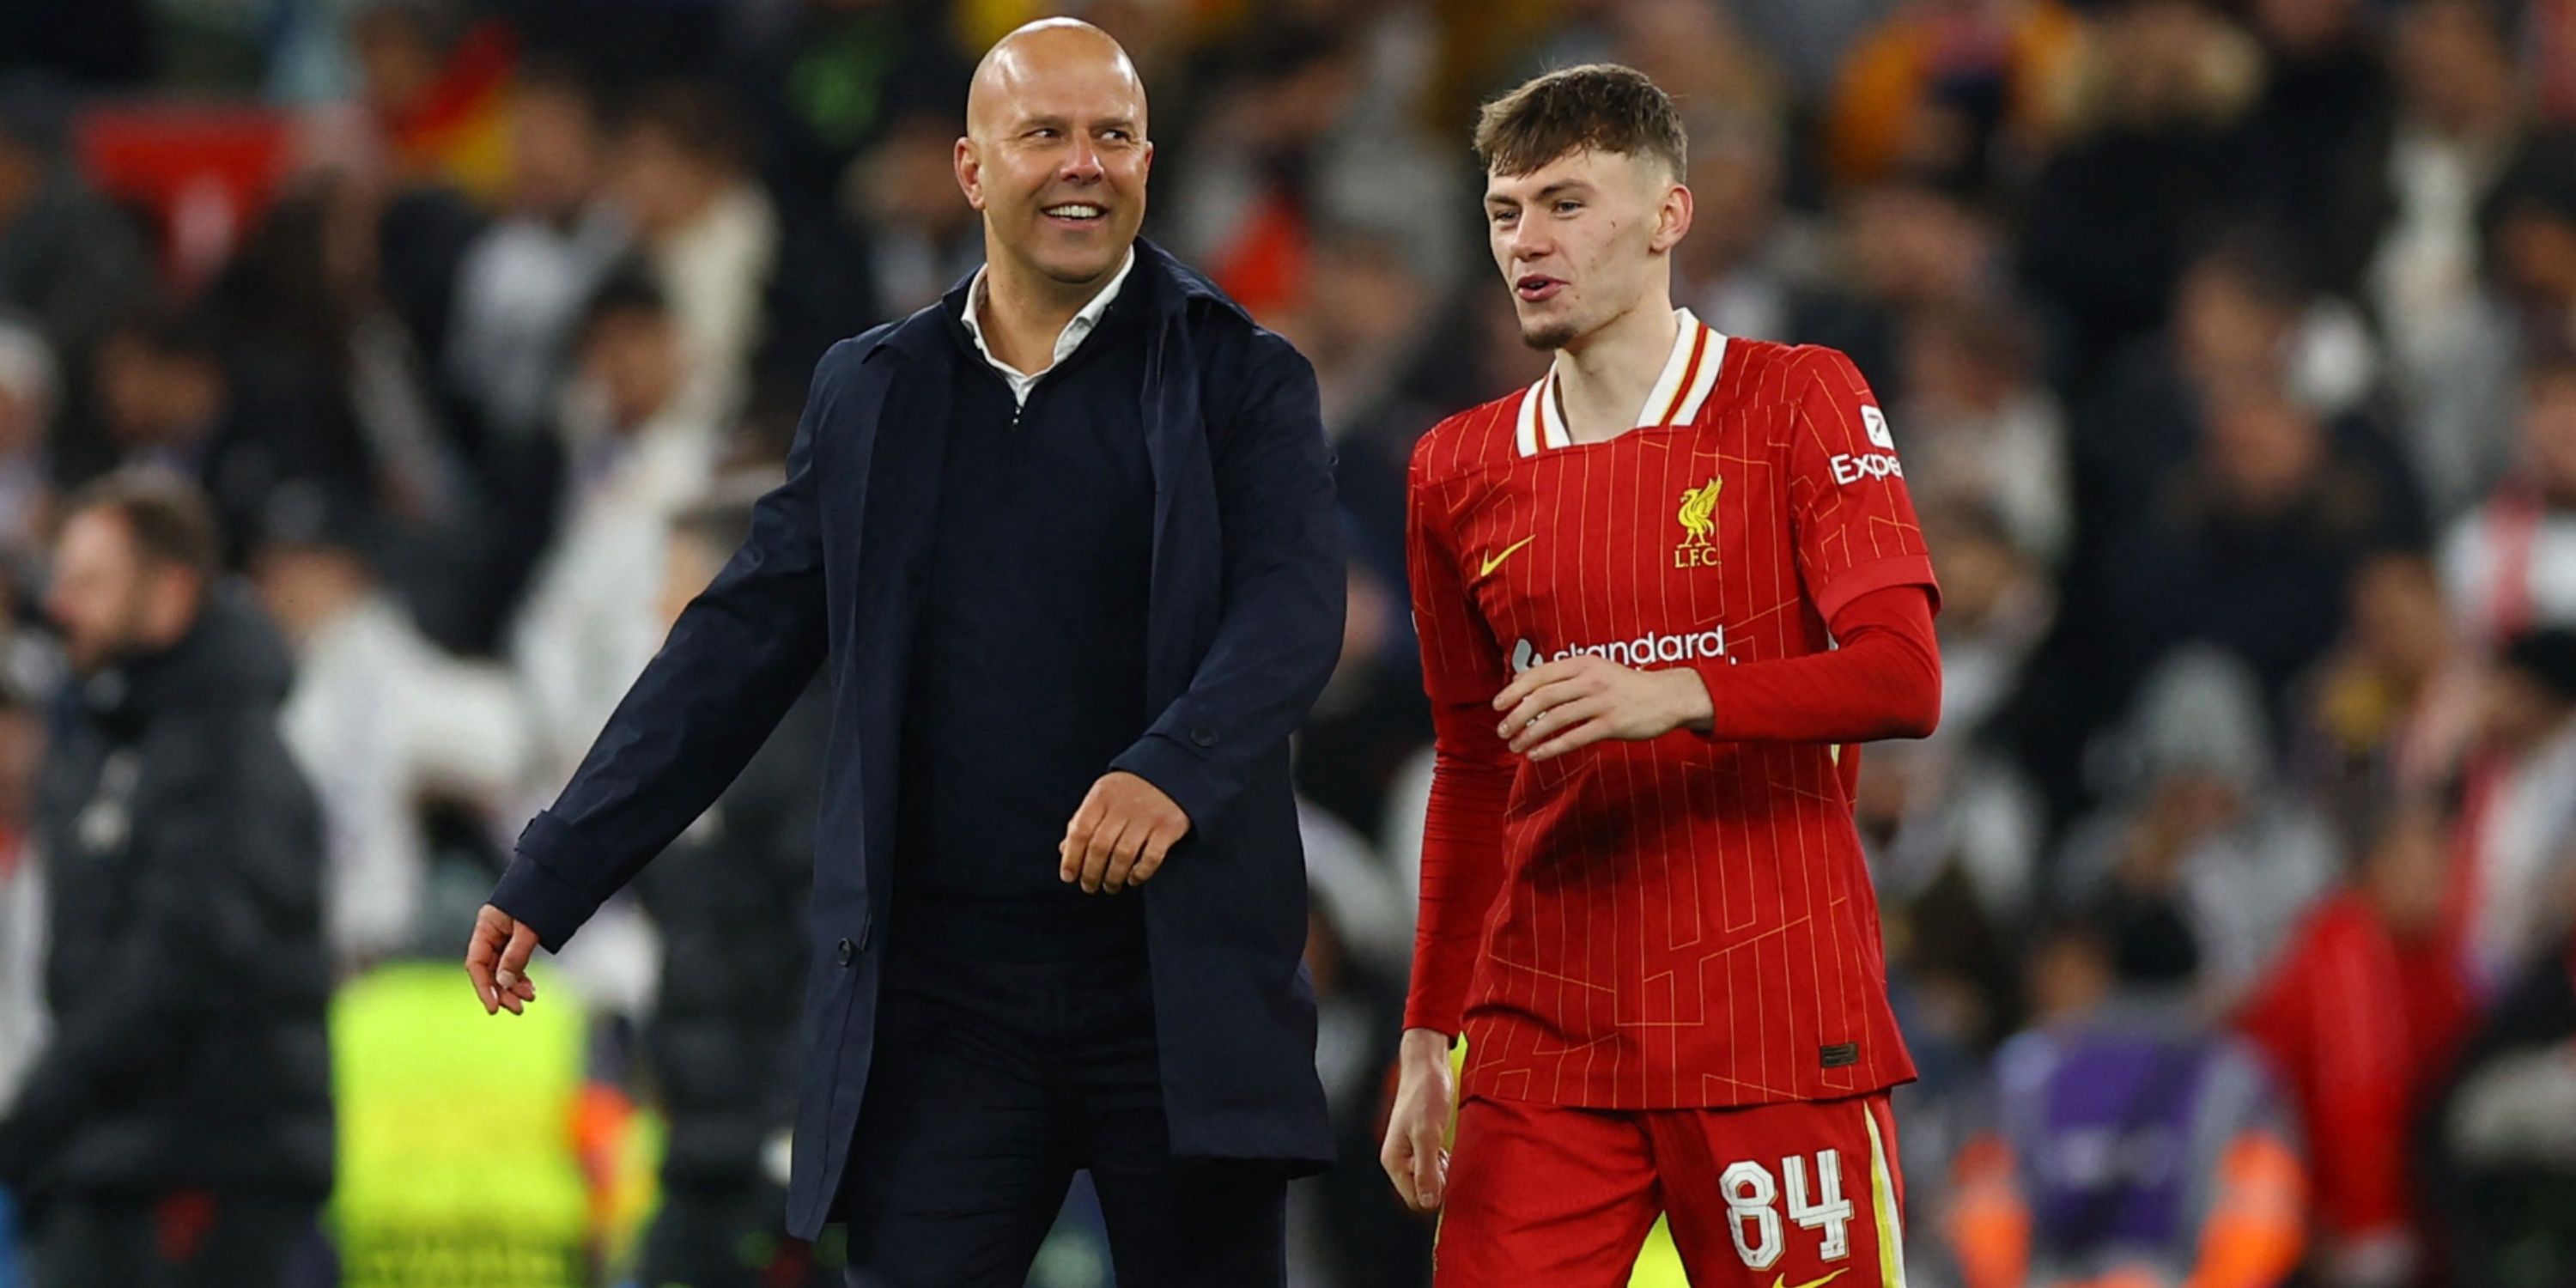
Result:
x=1584 y=239
x=1055 y=154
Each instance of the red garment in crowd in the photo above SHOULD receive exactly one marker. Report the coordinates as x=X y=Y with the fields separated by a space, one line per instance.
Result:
x=2360 y=1023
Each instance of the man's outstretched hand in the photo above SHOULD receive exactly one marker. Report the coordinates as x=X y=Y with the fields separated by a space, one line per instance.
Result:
x=497 y=961
x=1120 y=835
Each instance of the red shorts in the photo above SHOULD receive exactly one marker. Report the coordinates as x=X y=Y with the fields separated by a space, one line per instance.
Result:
x=1801 y=1195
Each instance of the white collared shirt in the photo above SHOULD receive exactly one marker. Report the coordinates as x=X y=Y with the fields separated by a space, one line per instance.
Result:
x=1066 y=341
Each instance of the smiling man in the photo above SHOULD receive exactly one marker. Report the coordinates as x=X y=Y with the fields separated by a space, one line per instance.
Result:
x=1643 y=899
x=1066 y=543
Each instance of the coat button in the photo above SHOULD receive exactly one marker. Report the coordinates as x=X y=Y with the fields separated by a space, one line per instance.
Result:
x=1202 y=736
x=847 y=950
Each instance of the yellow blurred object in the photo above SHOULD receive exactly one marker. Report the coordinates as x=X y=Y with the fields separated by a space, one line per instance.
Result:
x=1659 y=1263
x=457 y=1154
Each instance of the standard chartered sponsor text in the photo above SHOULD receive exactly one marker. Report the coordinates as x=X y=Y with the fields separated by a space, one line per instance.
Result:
x=1649 y=649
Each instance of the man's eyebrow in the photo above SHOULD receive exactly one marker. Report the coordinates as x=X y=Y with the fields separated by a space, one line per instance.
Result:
x=1558 y=188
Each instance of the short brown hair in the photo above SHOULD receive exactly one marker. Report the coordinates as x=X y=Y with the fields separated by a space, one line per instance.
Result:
x=172 y=520
x=1598 y=106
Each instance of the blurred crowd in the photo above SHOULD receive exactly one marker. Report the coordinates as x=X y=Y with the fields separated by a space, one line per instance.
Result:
x=2231 y=345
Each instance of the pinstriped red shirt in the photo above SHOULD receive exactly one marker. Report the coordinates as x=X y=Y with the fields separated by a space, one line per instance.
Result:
x=1686 y=921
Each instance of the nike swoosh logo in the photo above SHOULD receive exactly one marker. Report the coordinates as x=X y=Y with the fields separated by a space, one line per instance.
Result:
x=1779 y=1280
x=1496 y=561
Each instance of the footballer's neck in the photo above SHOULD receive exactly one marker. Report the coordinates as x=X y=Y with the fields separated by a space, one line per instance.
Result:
x=1603 y=377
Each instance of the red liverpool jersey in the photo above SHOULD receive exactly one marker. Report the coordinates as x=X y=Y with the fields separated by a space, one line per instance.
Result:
x=1681 y=922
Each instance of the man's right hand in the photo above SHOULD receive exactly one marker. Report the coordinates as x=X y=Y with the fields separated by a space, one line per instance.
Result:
x=496 y=959
x=1416 y=1153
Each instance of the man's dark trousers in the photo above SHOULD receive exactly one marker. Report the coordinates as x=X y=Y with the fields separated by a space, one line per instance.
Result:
x=994 y=1081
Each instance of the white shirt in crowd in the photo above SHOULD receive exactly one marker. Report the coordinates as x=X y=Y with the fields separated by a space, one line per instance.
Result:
x=379 y=719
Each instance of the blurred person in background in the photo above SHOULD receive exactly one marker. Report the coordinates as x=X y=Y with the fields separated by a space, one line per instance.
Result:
x=2497 y=1156
x=2206 y=844
x=524 y=280
x=680 y=170
x=175 y=395
x=177 y=1128
x=2360 y=1018
x=2132 y=1146
x=2409 y=242
x=827 y=83
x=1960 y=92
x=2529 y=226
x=23 y=1020
x=638 y=440
x=2325 y=78
x=728 y=900
x=2397 y=703
x=380 y=718
x=1067 y=541
x=69 y=261
x=919 y=241
x=2149 y=151
x=30 y=398
x=1907 y=247
x=1738 y=269
x=2509 y=565
x=2250 y=547
x=2516 y=845
x=1982 y=430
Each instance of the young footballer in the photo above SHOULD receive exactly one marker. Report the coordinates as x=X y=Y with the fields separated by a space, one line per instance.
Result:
x=1660 y=594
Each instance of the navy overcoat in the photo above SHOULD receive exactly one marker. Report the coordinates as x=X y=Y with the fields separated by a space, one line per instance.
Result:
x=1247 y=598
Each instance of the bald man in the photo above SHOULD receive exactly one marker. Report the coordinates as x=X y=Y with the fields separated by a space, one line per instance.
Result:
x=1066 y=542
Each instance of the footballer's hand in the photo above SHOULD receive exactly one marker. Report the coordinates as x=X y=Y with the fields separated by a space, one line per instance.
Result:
x=1572 y=702
x=1416 y=1153
x=1120 y=835
x=496 y=959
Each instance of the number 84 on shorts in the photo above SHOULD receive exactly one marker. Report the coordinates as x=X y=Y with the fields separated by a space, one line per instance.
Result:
x=1797 y=1195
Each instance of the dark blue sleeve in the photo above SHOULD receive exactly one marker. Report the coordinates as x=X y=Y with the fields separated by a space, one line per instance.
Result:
x=734 y=662
x=1284 y=593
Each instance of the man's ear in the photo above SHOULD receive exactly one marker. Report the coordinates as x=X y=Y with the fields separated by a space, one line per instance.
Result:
x=970 y=172
x=1672 y=218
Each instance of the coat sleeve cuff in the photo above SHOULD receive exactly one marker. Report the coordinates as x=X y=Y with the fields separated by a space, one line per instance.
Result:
x=1178 y=772
x=531 y=890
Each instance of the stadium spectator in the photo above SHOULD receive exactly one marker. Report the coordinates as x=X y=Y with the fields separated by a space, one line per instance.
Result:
x=2131 y=1145
x=2516 y=845
x=30 y=398
x=1980 y=428
x=178 y=1125
x=239 y=420
x=728 y=899
x=680 y=170
x=2148 y=153
x=381 y=720
x=69 y=260
x=2207 y=846
x=638 y=441
x=2393 y=708
x=2510 y=564
x=2499 y=1156
x=23 y=1022
x=2408 y=240
x=522 y=284
x=1951 y=90
x=2360 y=1019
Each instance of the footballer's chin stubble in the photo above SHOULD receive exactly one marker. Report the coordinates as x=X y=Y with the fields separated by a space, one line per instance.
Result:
x=1548 y=336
